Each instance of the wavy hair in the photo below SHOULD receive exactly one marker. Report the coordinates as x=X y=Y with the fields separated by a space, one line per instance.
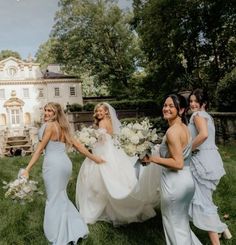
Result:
x=60 y=117
x=105 y=107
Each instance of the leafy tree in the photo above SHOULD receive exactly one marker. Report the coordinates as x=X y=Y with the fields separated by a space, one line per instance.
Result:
x=226 y=92
x=7 y=53
x=44 y=55
x=95 y=36
x=187 y=43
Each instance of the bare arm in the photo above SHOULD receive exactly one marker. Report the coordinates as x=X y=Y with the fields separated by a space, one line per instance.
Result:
x=83 y=150
x=201 y=126
x=175 y=161
x=40 y=147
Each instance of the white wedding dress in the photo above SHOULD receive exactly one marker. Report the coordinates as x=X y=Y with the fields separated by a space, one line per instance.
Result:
x=111 y=191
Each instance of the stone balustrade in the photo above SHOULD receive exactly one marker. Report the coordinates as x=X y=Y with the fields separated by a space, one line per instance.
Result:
x=225 y=122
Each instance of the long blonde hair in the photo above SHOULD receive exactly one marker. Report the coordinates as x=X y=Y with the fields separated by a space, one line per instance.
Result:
x=60 y=117
x=105 y=107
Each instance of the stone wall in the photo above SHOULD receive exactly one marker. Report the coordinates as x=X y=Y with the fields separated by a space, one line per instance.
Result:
x=225 y=122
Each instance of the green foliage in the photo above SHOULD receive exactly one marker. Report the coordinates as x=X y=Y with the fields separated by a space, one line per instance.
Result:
x=136 y=104
x=7 y=53
x=187 y=43
x=226 y=92
x=96 y=37
x=75 y=107
x=89 y=106
x=130 y=105
x=44 y=54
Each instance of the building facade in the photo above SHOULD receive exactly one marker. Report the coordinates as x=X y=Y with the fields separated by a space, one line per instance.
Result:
x=25 y=89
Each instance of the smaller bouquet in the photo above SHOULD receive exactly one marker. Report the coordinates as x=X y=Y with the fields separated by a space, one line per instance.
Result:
x=89 y=136
x=21 y=189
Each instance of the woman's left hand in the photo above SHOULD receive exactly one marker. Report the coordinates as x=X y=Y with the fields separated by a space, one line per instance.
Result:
x=146 y=159
x=99 y=160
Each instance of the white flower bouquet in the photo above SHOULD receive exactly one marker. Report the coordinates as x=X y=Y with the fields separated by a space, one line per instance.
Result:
x=138 y=138
x=21 y=189
x=89 y=136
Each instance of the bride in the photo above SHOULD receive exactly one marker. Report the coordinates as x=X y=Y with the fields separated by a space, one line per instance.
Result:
x=111 y=191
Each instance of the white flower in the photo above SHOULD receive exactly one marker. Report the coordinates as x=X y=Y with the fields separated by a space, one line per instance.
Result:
x=134 y=139
x=137 y=138
x=137 y=126
x=21 y=190
x=89 y=136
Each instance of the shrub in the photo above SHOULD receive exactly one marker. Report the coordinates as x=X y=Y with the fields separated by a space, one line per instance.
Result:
x=226 y=92
x=75 y=107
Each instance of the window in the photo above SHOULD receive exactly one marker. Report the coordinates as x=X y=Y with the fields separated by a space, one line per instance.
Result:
x=15 y=117
x=57 y=92
x=2 y=93
x=26 y=92
x=72 y=91
x=41 y=93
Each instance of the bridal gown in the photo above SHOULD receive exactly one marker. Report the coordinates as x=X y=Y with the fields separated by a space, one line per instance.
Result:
x=62 y=221
x=111 y=191
x=177 y=190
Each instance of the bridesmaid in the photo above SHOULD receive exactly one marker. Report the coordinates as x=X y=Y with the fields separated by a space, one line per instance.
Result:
x=177 y=186
x=207 y=168
x=62 y=221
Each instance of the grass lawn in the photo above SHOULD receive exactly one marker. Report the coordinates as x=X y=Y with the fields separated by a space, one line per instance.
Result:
x=22 y=224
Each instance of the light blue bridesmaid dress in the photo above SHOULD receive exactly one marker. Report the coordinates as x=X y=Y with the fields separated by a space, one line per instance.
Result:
x=62 y=221
x=177 y=190
x=207 y=168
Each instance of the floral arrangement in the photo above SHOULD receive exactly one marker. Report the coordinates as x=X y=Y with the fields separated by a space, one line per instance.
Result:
x=89 y=136
x=138 y=138
x=21 y=189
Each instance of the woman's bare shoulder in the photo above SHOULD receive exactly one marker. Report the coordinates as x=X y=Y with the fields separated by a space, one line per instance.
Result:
x=174 y=132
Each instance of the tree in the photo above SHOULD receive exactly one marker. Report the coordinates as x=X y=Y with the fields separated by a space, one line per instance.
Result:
x=44 y=55
x=95 y=36
x=187 y=43
x=7 y=53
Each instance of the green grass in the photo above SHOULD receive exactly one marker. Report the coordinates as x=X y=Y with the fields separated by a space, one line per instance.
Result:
x=22 y=224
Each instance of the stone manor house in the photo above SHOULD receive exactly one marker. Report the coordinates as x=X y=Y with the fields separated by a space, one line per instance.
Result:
x=24 y=90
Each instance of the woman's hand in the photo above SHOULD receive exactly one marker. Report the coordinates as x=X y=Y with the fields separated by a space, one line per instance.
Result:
x=98 y=160
x=25 y=173
x=146 y=159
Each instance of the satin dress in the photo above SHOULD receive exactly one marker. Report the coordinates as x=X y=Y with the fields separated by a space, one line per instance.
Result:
x=62 y=221
x=207 y=169
x=177 y=190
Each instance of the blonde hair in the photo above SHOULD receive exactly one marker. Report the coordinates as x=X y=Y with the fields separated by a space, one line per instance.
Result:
x=105 y=107
x=60 y=117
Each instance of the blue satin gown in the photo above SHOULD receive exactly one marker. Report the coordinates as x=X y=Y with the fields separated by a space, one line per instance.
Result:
x=177 y=190
x=62 y=221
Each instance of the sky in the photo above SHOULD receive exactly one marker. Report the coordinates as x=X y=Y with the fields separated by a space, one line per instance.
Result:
x=25 y=24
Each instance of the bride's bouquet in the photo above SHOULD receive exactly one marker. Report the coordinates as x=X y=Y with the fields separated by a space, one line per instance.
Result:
x=89 y=136
x=21 y=189
x=138 y=138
